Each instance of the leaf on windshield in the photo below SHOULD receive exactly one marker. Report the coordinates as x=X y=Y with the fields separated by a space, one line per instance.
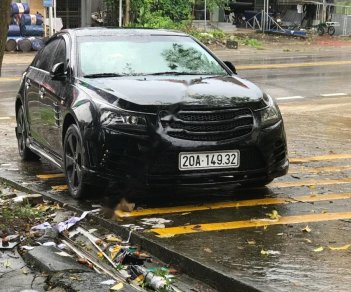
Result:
x=344 y=247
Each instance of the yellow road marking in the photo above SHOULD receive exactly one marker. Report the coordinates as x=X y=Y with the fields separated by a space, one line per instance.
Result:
x=311 y=182
x=320 y=158
x=297 y=170
x=194 y=228
x=50 y=176
x=233 y=204
x=10 y=78
x=60 y=188
x=292 y=65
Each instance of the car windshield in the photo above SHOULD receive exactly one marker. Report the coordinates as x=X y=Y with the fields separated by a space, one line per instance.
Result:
x=113 y=56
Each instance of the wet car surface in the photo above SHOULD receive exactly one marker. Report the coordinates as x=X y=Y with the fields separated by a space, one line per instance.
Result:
x=272 y=257
x=125 y=121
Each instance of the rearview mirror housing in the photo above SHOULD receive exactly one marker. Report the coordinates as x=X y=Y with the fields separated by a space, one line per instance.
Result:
x=230 y=66
x=58 y=72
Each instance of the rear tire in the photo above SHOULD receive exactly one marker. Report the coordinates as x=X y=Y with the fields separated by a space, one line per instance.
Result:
x=331 y=30
x=74 y=163
x=25 y=153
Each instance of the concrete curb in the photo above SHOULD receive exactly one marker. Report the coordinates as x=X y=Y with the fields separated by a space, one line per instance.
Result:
x=197 y=270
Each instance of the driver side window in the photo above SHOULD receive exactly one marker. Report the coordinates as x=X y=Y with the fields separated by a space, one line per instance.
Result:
x=45 y=59
x=60 y=54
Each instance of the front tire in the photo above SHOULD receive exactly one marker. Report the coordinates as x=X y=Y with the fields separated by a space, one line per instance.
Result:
x=74 y=163
x=21 y=133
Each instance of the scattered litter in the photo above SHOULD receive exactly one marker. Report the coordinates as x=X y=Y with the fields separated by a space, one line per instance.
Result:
x=155 y=222
x=42 y=226
x=344 y=247
x=27 y=247
x=25 y=271
x=280 y=234
x=270 y=252
x=251 y=242
x=206 y=249
x=63 y=254
x=61 y=246
x=70 y=222
x=50 y=243
x=319 y=249
x=9 y=242
x=307 y=229
x=108 y=282
x=308 y=240
x=154 y=281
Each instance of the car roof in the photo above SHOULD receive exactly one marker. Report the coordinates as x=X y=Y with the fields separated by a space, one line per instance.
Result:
x=106 y=31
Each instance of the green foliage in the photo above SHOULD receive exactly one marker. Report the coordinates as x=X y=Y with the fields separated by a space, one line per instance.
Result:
x=20 y=212
x=251 y=43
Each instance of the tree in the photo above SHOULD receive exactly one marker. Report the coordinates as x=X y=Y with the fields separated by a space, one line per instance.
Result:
x=4 y=21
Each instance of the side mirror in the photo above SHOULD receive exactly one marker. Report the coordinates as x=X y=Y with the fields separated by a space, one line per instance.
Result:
x=230 y=66
x=58 y=72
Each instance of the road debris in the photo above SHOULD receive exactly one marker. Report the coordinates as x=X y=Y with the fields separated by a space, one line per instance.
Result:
x=344 y=247
x=269 y=252
x=319 y=249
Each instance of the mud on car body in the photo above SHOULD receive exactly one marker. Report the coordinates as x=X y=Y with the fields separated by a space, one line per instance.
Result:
x=153 y=108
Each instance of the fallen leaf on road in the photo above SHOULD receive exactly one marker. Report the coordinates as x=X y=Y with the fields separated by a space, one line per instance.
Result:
x=117 y=287
x=312 y=187
x=344 y=247
x=206 y=249
x=269 y=252
x=100 y=254
x=319 y=249
x=25 y=271
x=140 y=279
x=280 y=234
x=112 y=238
x=308 y=240
x=274 y=215
x=114 y=251
x=251 y=242
x=7 y=264
x=307 y=229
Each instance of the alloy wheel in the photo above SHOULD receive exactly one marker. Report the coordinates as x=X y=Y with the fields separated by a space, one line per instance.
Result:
x=73 y=161
x=21 y=132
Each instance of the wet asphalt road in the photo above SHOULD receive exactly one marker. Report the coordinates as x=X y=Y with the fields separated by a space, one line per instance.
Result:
x=232 y=232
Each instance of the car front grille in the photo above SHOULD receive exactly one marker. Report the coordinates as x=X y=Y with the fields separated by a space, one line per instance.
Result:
x=208 y=125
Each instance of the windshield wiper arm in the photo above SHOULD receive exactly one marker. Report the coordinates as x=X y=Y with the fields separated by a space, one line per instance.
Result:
x=174 y=73
x=101 y=75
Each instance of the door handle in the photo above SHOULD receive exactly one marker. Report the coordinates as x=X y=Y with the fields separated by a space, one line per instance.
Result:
x=28 y=84
x=42 y=92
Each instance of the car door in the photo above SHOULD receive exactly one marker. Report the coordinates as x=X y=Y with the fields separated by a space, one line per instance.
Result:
x=35 y=78
x=51 y=100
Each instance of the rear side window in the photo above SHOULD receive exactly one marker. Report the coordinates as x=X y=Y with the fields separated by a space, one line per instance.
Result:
x=45 y=58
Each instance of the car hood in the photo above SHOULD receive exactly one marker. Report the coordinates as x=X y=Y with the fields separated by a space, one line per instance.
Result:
x=140 y=93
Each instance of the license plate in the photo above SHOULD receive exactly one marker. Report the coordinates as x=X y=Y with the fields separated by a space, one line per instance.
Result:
x=209 y=160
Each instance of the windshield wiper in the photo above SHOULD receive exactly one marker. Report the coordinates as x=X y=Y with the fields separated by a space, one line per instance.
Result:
x=101 y=75
x=175 y=73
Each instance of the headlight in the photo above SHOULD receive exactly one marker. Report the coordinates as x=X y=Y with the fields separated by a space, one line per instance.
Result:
x=270 y=114
x=121 y=119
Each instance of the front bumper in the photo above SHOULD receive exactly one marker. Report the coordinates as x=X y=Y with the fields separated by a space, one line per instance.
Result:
x=151 y=161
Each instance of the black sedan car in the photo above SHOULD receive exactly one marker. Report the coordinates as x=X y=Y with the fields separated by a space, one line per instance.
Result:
x=146 y=108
